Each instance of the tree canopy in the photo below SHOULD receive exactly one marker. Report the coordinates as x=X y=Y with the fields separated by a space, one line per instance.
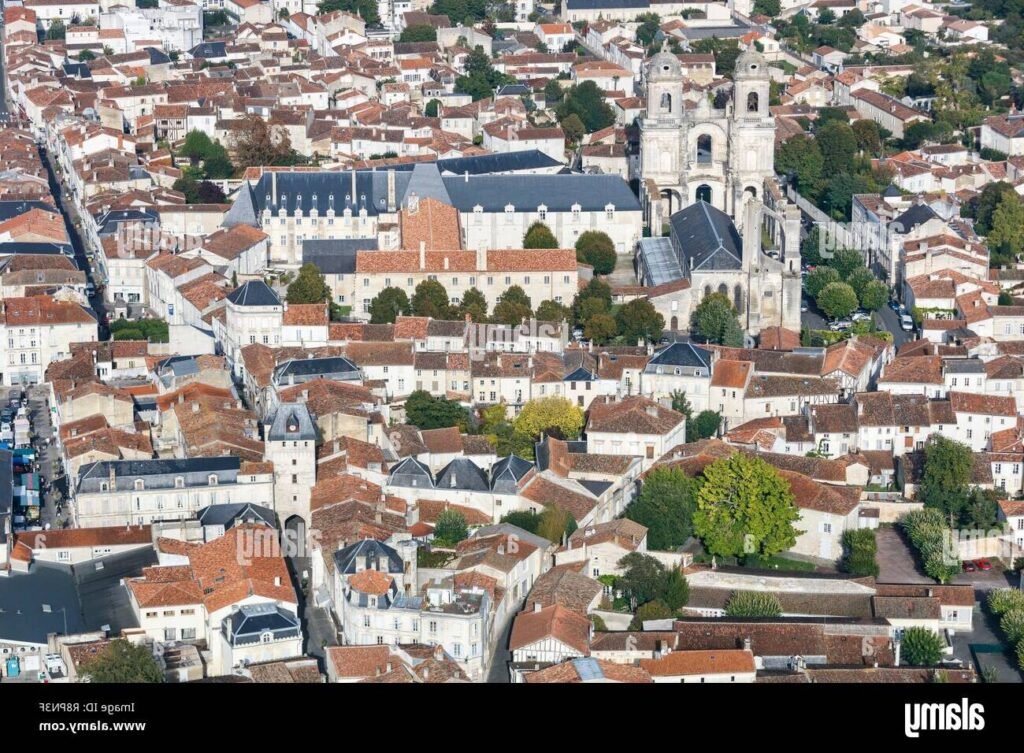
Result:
x=921 y=647
x=450 y=528
x=712 y=317
x=539 y=235
x=389 y=304
x=431 y=299
x=547 y=412
x=418 y=33
x=586 y=101
x=514 y=307
x=639 y=320
x=596 y=248
x=744 y=507
x=837 y=300
x=309 y=286
x=665 y=505
x=123 y=662
x=425 y=411
x=753 y=604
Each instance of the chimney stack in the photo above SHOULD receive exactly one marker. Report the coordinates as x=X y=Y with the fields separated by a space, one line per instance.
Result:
x=423 y=255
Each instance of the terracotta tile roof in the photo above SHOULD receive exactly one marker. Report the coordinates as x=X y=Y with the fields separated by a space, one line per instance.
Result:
x=625 y=533
x=546 y=492
x=778 y=338
x=633 y=415
x=573 y=672
x=554 y=622
x=993 y=405
x=324 y=397
x=565 y=586
x=442 y=441
x=358 y=661
x=809 y=494
x=372 y=582
x=431 y=509
x=305 y=315
x=734 y=374
x=431 y=222
x=701 y=663
x=923 y=369
x=411 y=327
x=230 y=243
x=71 y=538
x=43 y=311
x=1011 y=508
x=380 y=354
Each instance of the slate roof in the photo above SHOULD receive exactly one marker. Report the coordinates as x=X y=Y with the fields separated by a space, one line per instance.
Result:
x=336 y=256
x=251 y=621
x=680 y=354
x=209 y=50
x=708 y=238
x=916 y=215
x=557 y=192
x=254 y=293
x=228 y=515
x=291 y=421
x=462 y=474
x=387 y=559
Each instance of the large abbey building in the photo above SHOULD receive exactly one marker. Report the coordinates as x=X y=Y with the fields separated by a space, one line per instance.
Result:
x=708 y=187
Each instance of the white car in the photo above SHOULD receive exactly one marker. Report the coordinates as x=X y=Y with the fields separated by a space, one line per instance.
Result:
x=860 y=316
x=907 y=322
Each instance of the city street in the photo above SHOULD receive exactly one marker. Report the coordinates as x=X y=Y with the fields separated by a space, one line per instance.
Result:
x=48 y=458
x=885 y=317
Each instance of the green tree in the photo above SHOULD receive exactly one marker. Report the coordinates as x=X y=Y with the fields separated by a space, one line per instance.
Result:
x=725 y=51
x=555 y=523
x=1003 y=600
x=86 y=55
x=1012 y=625
x=56 y=29
x=552 y=311
x=188 y=186
x=418 y=33
x=921 y=647
x=309 y=286
x=431 y=299
x=858 y=280
x=770 y=8
x=827 y=115
x=681 y=404
x=753 y=604
x=929 y=534
x=450 y=528
x=869 y=137
x=1007 y=234
x=514 y=307
x=1005 y=299
x=983 y=207
x=846 y=261
x=596 y=248
x=837 y=300
x=389 y=304
x=650 y=25
x=365 y=9
x=474 y=304
x=874 y=295
x=818 y=280
x=122 y=662
x=600 y=328
x=859 y=549
x=639 y=320
x=744 y=507
x=801 y=157
x=643 y=577
x=676 y=590
x=480 y=79
x=197 y=146
x=712 y=315
x=704 y=426
x=587 y=102
x=528 y=520
x=425 y=411
x=433 y=108
x=573 y=128
x=550 y=412
x=539 y=235
x=732 y=334
x=652 y=610
x=598 y=291
x=553 y=95
x=946 y=476
x=665 y=506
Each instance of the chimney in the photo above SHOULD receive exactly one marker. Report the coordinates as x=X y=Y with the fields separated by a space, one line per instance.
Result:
x=195 y=407
x=305 y=395
x=181 y=397
x=113 y=478
x=388 y=667
x=391 y=191
x=277 y=580
x=423 y=255
x=481 y=260
x=746 y=644
x=337 y=447
x=414 y=202
x=354 y=185
x=466 y=176
x=439 y=652
x=446 y=264
x=536 y=606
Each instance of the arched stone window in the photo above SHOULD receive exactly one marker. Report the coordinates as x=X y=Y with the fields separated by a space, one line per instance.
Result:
x=723 y=289
x=666 y=102
x=737 y=298
x=704 y=193
x=753 y=102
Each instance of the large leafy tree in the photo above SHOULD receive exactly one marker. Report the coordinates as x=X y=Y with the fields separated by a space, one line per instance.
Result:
x=837 y=300
x=418 y=33
x=365 y=9
x=539 y=235
x=638 y=320
x=859 y=549
x=450 y=527
x=555 y=523
x=431 y=299
x=838 y=144
x=600 y=328
x=744 y=507
x=597 y=249
x=480 y=79
x=946 y=476
x=652 y=610
x=1007 y=233
x=869 y=137
x=474 y=304
x=801 y=156
x=665 y=506
x=389 y=304
x=874 y=295
x=425 y=411
x=550 y=412
x=983 y=206
x=921 y=647
x=552 y=311
x=595 y=298
x=123 y=662
x=643 y=577
x=819 y=279
x=586 y=101
x=258 y=143
x=309 y=286
x=514 y=306
x=704 y=426
x=712 y=316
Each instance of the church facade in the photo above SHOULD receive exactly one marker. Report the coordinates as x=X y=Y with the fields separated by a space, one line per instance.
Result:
x=718 y=221
x=695 y=151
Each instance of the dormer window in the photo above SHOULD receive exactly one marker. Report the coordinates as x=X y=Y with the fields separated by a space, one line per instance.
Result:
x=266 y=636
x=179 y=483
x=609 y=212
x=542 y=212
x=212 y=479
x=140 y=485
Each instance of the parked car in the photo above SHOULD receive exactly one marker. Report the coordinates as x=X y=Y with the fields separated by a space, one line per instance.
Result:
x=907 y=323
x=983 y=564
x=969 y=567
x=895 y=305
x=803 y=307
x=860 y=316
x=840 y=325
